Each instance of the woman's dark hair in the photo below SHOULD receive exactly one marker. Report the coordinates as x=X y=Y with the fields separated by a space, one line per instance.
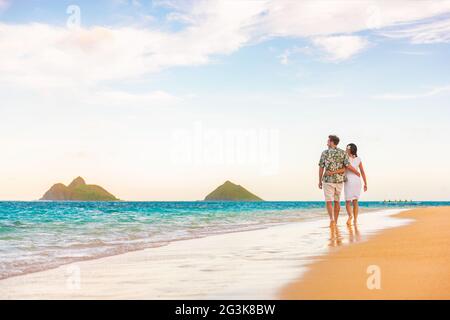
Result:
x=353 y=149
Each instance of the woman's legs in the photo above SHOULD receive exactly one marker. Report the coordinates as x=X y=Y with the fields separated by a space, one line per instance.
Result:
x=355 y=209
x=348 y=206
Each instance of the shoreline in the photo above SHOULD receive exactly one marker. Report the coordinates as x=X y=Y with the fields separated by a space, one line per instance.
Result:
x=408 y=262
x=165 y=243
x=237 y=265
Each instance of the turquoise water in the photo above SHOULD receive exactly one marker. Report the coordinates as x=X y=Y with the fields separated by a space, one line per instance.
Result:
x=40 y=235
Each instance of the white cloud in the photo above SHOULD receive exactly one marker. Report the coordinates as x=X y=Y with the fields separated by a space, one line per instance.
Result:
x=135 y=3
x=318 y=18
x=338 y=48
x=57 y=57
x=414 y=53
x=122 y=98
x=424 y=32
x=60 y=56
x=286 y=54
x=430 y=93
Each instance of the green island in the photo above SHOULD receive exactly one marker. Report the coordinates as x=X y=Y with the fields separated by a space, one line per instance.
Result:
x=78 y=190
x=231 y=192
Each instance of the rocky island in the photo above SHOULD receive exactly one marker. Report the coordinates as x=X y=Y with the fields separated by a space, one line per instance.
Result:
x=231 y=192
x=78 y=190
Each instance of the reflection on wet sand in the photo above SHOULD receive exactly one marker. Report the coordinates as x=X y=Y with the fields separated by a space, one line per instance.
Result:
x=353 y=233
x=338 y=239
x=335 y=236
x=357 y=234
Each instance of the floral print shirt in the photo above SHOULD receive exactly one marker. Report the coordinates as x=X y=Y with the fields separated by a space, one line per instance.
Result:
x=331 y=160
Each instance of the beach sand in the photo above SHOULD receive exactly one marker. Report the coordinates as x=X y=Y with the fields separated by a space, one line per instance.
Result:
x=412 y=262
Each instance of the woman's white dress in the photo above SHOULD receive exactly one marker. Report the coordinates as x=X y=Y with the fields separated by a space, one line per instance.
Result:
x=352 y=186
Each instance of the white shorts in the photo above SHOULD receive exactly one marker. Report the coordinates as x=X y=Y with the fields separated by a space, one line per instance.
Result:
x=332 y=191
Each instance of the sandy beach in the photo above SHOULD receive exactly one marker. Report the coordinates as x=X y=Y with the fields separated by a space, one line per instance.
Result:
x=413 y=263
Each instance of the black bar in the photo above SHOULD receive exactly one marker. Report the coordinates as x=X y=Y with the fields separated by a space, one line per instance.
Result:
x=223 y=309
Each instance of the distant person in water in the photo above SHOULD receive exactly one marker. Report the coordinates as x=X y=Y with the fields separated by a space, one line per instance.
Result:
x=332 y=164
x=352 y=185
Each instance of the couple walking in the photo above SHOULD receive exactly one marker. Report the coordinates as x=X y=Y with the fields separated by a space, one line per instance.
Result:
x=339 y=169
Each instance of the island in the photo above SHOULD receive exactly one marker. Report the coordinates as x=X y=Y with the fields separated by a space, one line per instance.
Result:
x=231 y=192
x=78 y=190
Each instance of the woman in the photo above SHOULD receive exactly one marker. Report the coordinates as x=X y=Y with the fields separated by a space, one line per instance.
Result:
x=352 y=185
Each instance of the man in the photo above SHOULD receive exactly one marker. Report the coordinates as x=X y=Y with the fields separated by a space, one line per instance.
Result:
x=332 y=159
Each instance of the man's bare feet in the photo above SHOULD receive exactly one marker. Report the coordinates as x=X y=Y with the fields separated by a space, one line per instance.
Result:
x=332 y=224
x=354 y=221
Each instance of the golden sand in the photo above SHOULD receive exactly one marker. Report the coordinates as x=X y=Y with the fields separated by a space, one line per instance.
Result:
x=409 y=262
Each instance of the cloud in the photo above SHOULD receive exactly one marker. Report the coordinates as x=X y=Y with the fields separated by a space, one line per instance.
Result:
x=423 y=32
x=60 y=56
x=320 y=18
x=122 y=98
x=338 y=48
x=414 y=53
x=135 y=3
x=430 y=93
x=286 y=54
x=56 y=56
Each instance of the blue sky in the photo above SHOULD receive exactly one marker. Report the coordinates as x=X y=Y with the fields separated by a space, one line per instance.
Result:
x=141 y=96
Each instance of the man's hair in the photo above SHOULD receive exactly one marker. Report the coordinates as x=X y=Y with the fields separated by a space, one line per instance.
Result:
x=333 y=138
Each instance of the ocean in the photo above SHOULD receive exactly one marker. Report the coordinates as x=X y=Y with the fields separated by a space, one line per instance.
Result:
x=41 y=235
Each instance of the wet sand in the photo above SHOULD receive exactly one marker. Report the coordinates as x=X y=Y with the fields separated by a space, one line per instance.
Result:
x=408 y=262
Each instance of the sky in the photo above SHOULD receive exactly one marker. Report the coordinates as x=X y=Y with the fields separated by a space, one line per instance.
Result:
x=166 y=100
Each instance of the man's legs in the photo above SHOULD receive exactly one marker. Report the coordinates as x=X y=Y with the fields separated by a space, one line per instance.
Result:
x=337 y=198
x=337 y=209
x=328 y=191
x=329 y=205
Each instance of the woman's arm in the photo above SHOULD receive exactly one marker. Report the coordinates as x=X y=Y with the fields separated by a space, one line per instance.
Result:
x=330 y=173
x=363 y=174
x=349 y=167
x=352 y=169
x=355 y=171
